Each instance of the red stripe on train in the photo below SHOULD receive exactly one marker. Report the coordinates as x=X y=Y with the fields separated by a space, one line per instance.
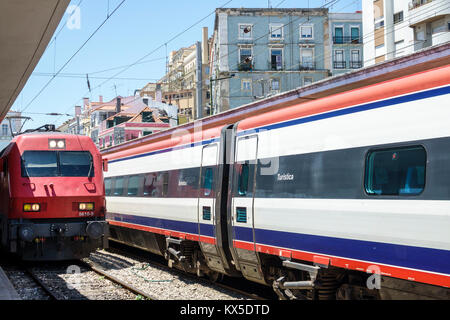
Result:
x=388 y=89
x=169 y=233
x=386 y=270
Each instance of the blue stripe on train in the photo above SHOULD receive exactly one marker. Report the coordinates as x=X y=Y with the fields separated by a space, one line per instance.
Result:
x=435 y=260
x=179 y=226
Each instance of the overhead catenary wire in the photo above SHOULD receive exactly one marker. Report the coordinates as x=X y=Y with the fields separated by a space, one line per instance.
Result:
x=73 y=56
x=165 y=45
x=153 y=51
x=81 y=76
x=211 y=93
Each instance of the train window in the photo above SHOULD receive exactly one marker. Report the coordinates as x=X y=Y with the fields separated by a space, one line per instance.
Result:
x=76 y=164
x=165 y=183
x=243 y=180
x=150 y=189
x=108 y=186
x=399 y=171
x=187 y=183
x=118 y=188
x=208 y=181
x=133 y=185
x=39 y=164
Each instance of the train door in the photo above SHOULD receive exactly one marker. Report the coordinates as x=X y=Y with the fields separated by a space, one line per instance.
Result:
x=207 y=207
x=245 y=164
x=206 y=199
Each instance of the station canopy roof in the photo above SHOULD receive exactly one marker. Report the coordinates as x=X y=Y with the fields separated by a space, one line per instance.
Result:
x=26 y=28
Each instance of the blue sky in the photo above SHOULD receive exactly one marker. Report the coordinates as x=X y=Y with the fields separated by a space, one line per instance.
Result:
x=136 y=29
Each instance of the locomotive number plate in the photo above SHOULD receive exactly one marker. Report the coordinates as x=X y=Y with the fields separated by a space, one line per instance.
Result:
x=86 y=214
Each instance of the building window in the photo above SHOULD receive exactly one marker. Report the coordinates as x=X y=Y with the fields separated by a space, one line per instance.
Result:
x=276 y=59
x=275 y=85
x=438 y=26
x=245 y=31
x=339 y=59
x=307 y=81
x=4 y=129
x=245 y=59
x=246 y=85
x=380 y=50
x=398 y=17
x=399 y=48
x=355 y=60
x=276 y=31
x=306 y=32
x=338 y=35
x=379 y=23
x=354 y=35
x=307 y=59
x=393 y=172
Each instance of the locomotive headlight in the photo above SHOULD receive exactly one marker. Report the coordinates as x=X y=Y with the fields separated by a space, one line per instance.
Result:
x=86 y=206
x=31 y=207
x=56 y=143
x=52 y=144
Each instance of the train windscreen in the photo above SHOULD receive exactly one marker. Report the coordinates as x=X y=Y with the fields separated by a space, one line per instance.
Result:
x=57 y=164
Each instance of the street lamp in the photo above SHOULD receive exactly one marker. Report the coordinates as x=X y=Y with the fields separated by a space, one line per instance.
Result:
x=210 y=88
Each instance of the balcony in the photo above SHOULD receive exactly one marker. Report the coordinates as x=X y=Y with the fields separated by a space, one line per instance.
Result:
x=339 y=65
x=245 y=66
x=355 y=64
x=347 y=40
x=421 y=11
x=276 y=66
x=418 y=3
x=307 y=66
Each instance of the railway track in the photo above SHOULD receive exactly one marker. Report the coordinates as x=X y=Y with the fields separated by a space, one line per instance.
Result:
x=118 y=281
x=241 y=287
x=42 y=285
x=54 y=281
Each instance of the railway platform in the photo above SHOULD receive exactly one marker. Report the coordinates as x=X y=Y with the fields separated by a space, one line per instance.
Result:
x=7 y=291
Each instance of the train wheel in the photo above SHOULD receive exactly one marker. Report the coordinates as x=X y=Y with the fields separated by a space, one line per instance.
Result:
x=215 y=276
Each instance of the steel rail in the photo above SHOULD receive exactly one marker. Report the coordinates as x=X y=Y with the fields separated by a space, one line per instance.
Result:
x=118 y=281
x=48 y=291
x=191 y=276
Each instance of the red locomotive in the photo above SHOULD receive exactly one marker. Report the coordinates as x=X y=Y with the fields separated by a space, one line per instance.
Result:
x=52 y=197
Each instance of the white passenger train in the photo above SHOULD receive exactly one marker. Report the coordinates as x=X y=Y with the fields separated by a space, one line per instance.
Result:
x=346 y=196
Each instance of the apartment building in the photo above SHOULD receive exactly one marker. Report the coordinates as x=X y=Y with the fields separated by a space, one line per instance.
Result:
x=346 y=42
x=185 y=83
x=5 y=128
x=257 y=53
x=395 y=28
